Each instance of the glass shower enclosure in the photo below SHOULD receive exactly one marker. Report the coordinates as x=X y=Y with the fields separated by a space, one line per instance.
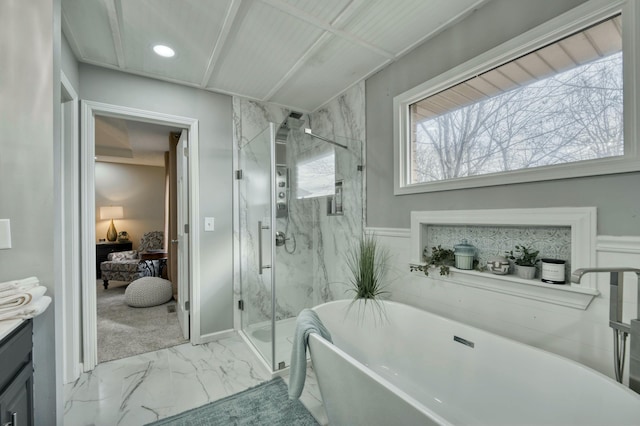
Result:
x=300 y=207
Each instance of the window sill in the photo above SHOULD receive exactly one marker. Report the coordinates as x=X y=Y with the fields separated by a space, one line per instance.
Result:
x=572 y=296
x=604 y=166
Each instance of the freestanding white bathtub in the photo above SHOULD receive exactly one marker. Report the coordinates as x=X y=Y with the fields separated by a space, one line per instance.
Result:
x=412 y=367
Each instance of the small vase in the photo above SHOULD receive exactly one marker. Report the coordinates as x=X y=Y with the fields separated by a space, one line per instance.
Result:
x=112 y=234
x=526 y=272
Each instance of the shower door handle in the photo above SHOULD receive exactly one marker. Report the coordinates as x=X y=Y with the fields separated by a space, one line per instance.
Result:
x=261 y=267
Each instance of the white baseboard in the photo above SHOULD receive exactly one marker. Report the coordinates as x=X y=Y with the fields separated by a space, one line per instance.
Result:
x=212 y=337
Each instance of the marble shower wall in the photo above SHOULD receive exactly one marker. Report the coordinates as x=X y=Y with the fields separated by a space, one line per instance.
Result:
x=310 y=268
x=342 y=120
x=315 y=272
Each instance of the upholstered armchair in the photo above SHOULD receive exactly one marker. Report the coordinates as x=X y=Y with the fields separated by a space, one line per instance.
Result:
x=128 y=266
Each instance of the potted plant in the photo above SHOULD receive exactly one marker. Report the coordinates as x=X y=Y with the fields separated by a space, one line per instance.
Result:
x=440 y=257
x=525 y=259
x=368 y=263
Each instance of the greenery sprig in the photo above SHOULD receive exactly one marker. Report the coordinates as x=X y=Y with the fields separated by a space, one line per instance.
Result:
x=440 y=257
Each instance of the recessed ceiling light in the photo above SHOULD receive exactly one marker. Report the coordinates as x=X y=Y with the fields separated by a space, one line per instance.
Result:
x=163 y=50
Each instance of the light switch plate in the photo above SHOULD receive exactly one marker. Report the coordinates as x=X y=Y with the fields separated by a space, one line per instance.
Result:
x=209 y=224
x=5 y=234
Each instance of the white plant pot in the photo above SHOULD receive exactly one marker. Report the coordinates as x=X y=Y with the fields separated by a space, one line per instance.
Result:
x=526 y=272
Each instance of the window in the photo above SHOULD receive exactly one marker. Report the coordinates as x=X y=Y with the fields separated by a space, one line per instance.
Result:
x=551 y=110
x=559 y=104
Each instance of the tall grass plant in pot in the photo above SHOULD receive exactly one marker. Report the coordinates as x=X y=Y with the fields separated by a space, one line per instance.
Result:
x=368 y=264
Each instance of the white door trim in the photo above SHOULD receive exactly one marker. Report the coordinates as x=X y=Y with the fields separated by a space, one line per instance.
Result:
x=89 y=320
x=69 y=247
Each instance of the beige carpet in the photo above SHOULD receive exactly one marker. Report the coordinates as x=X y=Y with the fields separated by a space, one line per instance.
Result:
x=124 y=331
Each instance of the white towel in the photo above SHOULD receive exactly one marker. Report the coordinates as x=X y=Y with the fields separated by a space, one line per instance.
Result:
x=10 y=301
x=30 y=310
x=37 y=292
x=14 y=301
x=18 y=285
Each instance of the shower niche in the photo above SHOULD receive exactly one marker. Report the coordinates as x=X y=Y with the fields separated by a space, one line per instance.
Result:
x=334 y=201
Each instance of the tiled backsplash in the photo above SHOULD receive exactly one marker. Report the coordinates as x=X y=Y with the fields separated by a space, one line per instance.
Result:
x=552 y=241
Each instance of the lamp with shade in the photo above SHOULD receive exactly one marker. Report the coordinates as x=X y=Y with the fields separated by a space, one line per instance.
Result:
x=111 y=212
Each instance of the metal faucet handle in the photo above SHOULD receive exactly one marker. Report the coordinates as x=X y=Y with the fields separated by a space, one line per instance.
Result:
x=578 y=273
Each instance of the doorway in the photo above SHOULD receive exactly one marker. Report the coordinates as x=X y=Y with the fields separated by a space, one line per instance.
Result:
x=135 y=176
x=91 y=110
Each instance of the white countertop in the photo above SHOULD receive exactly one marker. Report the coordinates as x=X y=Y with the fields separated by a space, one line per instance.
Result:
x=7 y=326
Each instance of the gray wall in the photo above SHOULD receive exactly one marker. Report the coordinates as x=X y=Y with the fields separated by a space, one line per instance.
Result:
x=615 y=196
x=29 y=130
x=140 y=190
x=214 y=112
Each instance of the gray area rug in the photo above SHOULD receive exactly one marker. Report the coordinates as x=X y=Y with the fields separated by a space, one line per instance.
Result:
x=265 y=404
x=124 y=331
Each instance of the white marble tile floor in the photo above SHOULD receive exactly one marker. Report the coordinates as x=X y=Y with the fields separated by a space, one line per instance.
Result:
x=144 y=388
x=260 y=335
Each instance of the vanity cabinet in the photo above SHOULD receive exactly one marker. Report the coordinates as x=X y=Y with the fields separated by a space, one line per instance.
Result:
x=16 y=377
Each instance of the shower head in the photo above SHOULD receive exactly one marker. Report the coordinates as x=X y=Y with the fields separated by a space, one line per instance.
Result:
x=293 y=121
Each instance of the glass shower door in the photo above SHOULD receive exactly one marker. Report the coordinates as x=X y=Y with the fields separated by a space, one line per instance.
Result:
x=325 y=217
x=257 y=237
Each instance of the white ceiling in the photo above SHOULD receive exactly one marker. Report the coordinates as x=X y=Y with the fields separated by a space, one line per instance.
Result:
x=296 y=53
x=131 y=142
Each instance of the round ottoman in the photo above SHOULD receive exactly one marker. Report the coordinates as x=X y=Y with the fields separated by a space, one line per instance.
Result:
x=148 y=291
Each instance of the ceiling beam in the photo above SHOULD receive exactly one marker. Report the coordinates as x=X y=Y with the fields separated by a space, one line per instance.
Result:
x=114 y=9
x=185 y=83
x=310 y=19
x=320 y=41
x=443 y=26
x=352 y=8
x=230 y=18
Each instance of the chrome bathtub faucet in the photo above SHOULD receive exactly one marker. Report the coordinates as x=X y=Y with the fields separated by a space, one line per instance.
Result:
x=620 y=329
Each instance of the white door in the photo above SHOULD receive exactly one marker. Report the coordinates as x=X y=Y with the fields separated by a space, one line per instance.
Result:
x=182 y=176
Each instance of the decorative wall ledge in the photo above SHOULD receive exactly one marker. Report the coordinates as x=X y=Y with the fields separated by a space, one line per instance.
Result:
x=563 y=295
x=581 y=221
